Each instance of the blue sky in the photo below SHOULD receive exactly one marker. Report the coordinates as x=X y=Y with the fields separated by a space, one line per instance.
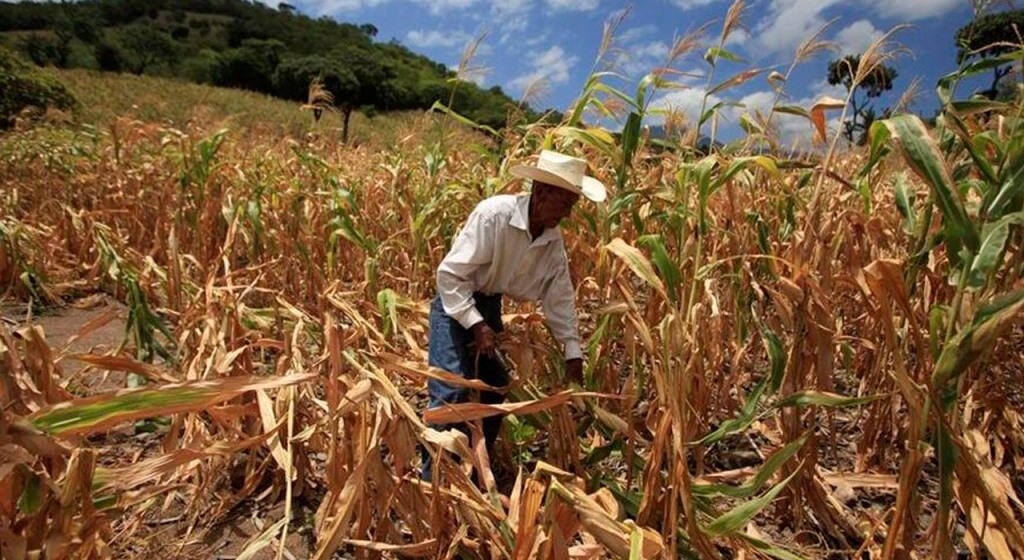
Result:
x=555 y=42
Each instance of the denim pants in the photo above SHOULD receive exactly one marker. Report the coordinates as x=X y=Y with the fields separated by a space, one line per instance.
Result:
x=449 y=350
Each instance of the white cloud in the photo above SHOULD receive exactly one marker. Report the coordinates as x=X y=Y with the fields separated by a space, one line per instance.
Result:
x=916 y=9
x=688 y=101
x=636 y=60
x=433 y=38
x=788 y=23
x=438 y=7
x=551 y=66
x=512 y=27
x=509 y=17
x=330 y=7
x=636 y=33
x=510 y=7
x=821 y=88
x=855 y=38
x=537 y=40
x=737 y=37
x=758 y=101
x=575 y=5
x=690 y=4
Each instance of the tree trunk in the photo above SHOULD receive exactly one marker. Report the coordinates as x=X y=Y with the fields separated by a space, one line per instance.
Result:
x=346 y=112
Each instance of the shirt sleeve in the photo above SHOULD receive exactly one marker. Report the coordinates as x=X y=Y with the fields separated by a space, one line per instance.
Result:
x=559 y=305
x=473 y=248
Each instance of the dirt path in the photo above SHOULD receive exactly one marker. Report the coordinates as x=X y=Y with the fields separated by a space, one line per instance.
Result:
x=91 y=325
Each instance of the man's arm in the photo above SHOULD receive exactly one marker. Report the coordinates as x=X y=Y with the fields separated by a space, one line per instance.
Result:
x=473 y=248
x=559 y=306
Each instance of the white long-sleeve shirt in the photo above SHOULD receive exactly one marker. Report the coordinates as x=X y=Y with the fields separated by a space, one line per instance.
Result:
x=494 y=254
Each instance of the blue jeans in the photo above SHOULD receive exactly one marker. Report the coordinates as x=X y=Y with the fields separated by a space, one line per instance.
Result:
x=449 y=350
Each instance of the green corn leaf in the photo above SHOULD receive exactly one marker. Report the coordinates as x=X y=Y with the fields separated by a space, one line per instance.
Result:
x=442 y=108
x=620 y=94
x=31 y=496
x=767 y=470
x=596 y=138
x=744 y=419
x=793 y=110
x=630 y=138
x=1009 y=190
x=987 y=260
x=769 y=549
x=646 y=82
x=740 y=163
x=770 y=384
x=666 y=266
x=603 y=109
x=981 y=163
x=586 y=94
x=740 y=515
x=903 y=203
x=973 y=106
x=990 y=320
x=936 y=326
x=922 y=154
x=714 y=53
x=879 y=146
x=749 y=125
x=776 y=356
x=387 y=302
x=946 y=83
x=98 y=413
x=262 y=540
x=636 y=544
x=637 y=262
x=710 y=111
x=823 y=398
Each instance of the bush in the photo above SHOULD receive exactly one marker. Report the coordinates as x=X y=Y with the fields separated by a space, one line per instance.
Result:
x=22 y=87
x=206 y=67
x=42 y=49
x=109 y=56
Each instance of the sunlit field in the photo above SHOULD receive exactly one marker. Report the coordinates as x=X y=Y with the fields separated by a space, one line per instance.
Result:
x=809 y=352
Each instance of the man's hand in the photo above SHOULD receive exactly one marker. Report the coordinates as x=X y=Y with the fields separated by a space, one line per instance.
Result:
x=484 y=339
x=574 y=371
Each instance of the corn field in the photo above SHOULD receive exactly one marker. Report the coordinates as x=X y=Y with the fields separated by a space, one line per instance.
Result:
x=788 y=355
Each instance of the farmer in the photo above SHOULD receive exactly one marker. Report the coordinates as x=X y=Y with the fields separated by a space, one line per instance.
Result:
x=510 y=245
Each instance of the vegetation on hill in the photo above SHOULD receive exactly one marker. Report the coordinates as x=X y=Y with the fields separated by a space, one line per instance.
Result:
x=235 y=43
x=104 y=97
x=22 y=87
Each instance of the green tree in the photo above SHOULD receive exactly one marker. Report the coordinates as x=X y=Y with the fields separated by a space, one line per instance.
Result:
x=144 y=46
x=991 y=35
x=253 y=64
x=64 y=31
x=370 y=85
x=109 y=55
x=295 y=74
x=879 y=81
x=369 y=29
x=22 y=87
x=39 y=48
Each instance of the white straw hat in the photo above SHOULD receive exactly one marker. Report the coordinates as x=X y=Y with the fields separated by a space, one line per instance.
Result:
x=562 y=171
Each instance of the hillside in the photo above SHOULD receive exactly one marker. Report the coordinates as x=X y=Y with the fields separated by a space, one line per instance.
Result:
x=104 y=97
x=247 y=45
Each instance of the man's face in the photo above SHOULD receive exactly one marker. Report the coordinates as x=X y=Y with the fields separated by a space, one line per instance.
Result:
x=552 y=204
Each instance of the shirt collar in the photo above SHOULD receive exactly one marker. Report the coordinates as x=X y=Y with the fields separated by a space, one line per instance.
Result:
x=521 y=220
